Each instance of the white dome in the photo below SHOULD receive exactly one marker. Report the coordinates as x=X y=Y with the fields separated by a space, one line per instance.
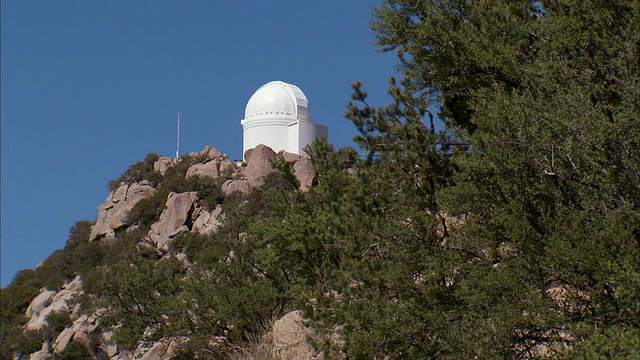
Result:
x=277 y=100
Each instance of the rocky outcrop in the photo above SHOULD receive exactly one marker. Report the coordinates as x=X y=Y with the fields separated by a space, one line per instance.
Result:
x=37 y=307
x=79 y=331
x=259 y=164
x=208 y=221
x=211 y=169
x=181 y=211
x=232 y=186
x=210 y=153
x=113 y=212
x=162 y=164
x=214 y=164
x=48 y=302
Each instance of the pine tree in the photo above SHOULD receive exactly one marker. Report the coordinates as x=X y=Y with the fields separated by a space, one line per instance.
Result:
x=536 y=169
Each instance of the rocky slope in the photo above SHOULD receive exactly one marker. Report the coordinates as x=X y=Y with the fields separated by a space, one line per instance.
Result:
x=182 y=213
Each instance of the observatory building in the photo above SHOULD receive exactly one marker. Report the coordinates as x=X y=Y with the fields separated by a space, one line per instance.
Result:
x=277 y=115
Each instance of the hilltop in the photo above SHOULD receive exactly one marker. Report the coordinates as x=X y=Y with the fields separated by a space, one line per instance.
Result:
x=157 y=207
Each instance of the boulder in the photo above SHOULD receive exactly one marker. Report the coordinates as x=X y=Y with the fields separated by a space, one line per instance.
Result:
x=162 y=164
x=181 y=210
x=303 y=171
x=78 y=331
x=231 y=186
x=39 y=303
x=107 y=346
x=120 y=194
x=211 y=169
x=259 y=164
x=41 y=355
x=208 y=221
x=113 y=212
x=139 y=191
x=182 y=257
x=289 y=337
x=226 y=167
x=210 y=152
x=290 y=158
x=63 y=339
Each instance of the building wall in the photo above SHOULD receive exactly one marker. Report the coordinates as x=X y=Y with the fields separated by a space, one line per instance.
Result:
x=294 y=137
x=307 y=133
x=273 y=133
x=282 y=134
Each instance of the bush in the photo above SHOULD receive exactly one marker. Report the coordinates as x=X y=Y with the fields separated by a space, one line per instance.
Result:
x=147 y=211
x=208 y=190
x=75 y=350
x=142 y=170
x=58 y=321
x=21 y=344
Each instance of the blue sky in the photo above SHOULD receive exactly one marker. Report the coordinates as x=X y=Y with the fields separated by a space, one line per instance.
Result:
x=91 y=87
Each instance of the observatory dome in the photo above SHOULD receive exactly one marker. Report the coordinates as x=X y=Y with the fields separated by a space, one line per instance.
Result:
x=277 y=100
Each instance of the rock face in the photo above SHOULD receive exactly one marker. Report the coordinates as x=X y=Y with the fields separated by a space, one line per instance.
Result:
x=35 y=311
x=180 y=213
x=208 y=221
x=112 y=213
x=78 y=331
x=48 y=302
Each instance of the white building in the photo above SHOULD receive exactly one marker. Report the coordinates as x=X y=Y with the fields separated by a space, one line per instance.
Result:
x=277 y=115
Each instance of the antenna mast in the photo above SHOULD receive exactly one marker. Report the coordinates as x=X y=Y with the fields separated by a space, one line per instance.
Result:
x=178 y=138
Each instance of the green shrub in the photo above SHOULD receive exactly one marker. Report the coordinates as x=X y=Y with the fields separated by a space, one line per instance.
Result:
x=58 y=321
x=208 y=190
x=21 y=344
x=142 y=170
x=75 y=350
x=147 y=211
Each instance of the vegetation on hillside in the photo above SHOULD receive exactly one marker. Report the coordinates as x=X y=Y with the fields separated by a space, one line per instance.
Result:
x=496 y=213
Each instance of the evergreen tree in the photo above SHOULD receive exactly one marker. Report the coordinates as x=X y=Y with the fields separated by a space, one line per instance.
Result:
x=542 y=98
